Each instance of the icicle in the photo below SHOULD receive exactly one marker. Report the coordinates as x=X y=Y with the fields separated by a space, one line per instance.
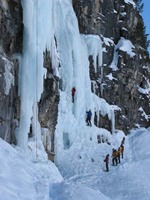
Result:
x=102 y=74
x=112 y=121
x=38 y=34
x=94 y=45
x=98 y=118
x=102 y=89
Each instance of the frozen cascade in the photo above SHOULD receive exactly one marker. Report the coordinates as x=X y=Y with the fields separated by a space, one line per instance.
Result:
x=94 y=45
x=38 y=34
x=74 y=51
x=113 y=122
x=123 y=45
x=44 y=26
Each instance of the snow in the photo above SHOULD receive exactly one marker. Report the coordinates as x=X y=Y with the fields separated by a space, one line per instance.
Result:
x=130 y=2
x=94 y=45
x=124 y=45
x=146 y=90
x=25 y=178
x=69 y=190
x=108 y=41
x=115 y=11
x=124 y=29
x=123 y=14
x=110 y=77
x=146 y=116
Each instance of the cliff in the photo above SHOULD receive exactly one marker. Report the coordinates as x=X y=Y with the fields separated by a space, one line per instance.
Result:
x=124 y=77
x=10 y=48
x=122 y=81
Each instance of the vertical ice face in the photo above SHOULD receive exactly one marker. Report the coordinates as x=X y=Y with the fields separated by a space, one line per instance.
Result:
x=113 y=122
x=52 y=25
x=74 y=73
x=74 y=50
x=94 y=45
x=38 y=34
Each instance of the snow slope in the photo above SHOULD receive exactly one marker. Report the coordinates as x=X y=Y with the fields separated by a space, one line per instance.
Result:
x=22 y=178
x=129 y=180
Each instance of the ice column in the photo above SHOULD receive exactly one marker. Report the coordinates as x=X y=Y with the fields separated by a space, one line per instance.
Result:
x=38 y=34
x=112 y=121
x=94 y=45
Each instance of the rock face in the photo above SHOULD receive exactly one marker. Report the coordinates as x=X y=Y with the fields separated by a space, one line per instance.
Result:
x=48 y=105
x=116 y=20
x=11 y=26
x=10 y=44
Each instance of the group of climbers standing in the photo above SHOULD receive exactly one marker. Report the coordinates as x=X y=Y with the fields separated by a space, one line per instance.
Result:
x=116 y=154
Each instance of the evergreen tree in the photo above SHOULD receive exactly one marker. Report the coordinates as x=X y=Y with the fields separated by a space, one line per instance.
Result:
x=139 y=5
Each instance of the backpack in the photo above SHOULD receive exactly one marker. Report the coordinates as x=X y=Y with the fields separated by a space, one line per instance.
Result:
x=121 y=148
x=73 y=91
x=89 y=114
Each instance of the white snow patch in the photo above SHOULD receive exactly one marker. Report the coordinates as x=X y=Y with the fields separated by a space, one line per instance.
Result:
x=130 y=2
x=110 y=77
x=124 y=45
x=144 y=114
x=108 y=41
x=94 y=46
x=24 y=178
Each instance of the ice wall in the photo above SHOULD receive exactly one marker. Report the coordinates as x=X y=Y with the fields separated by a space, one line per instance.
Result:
x=74 y=50
x=94 y=45
x=38 y=34
x=53 y=25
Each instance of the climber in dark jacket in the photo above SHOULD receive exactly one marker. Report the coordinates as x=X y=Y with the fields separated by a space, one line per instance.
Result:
x=118 y=155
x=106 y=160
x=88 y=119
x=123 y=141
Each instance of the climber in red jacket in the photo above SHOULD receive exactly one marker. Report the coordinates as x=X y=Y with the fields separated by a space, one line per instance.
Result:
x=73 y=93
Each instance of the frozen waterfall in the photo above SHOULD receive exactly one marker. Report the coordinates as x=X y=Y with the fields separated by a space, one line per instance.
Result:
x=45 y=25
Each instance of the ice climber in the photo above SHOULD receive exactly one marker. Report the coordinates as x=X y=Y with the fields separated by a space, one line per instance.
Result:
x=106 y=160
x=114 y=157
x=118 y=155
x=73 y=93
x=123 y=141
x=121 y=150
x=88 y=119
